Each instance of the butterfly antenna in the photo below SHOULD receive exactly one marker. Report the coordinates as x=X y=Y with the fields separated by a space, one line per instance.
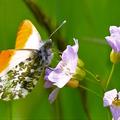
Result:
x=57 y=28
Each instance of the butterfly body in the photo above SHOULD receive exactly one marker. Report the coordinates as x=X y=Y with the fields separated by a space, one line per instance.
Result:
x=23 y=66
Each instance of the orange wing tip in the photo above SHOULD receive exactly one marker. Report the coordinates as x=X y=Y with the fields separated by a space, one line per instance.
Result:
x=24 y=31
x=5 y=57
x=10 y=58
x=27 y=36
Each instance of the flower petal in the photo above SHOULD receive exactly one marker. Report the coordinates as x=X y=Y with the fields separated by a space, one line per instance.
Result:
x=76 y=46
x=112 y=43
x=69 y=57
x=53 y=95
x=48 y=84
x=114 y=30
x=47 y=72
x=115 y=112
x=109 y=97
x=63 y=81
x=68 y=54
x=114 y=39
x=59 y=79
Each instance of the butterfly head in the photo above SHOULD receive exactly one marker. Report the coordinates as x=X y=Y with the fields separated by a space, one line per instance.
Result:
x=45 y=53
x=48 y=44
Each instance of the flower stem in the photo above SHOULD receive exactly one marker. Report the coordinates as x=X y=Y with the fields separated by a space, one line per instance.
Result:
x=90 y=73
x=110 y=76
x=91 y=81
x=85 y=88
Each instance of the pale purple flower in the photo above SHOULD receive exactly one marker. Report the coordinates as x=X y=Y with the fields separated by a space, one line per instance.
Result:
x=53 y=95
x=48 y=83
x=112 y=99
x=114 y=38
x=63 y=72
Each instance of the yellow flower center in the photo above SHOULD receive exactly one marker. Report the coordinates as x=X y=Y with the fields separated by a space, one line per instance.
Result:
x=116 y=101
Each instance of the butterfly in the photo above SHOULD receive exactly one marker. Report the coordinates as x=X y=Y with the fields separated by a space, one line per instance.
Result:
x=20 y=68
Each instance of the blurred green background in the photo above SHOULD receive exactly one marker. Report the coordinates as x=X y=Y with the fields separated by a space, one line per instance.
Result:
x=87 y=20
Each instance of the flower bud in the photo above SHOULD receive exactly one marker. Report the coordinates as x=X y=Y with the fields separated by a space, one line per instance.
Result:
x=79 y=74
x=114 y=57
x=80 y=63
x=73 y=83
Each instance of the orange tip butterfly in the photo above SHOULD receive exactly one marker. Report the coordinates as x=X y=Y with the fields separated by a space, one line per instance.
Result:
x=20 y=68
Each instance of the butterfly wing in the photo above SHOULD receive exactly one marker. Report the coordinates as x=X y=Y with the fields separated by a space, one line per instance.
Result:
x=11 y=58
x=28 y=37
x=5 y=57
x=20 y=71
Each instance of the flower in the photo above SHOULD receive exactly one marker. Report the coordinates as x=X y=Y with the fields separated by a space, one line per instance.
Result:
x=112 y=99
x=48 y=84
x=66 y=70
x=114 y=41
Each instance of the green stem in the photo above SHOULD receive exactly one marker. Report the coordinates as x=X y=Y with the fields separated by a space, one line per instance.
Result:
x=95 y=83
x=85 y=88
x=91 y=81
x=110 y=76
x=92 y=75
